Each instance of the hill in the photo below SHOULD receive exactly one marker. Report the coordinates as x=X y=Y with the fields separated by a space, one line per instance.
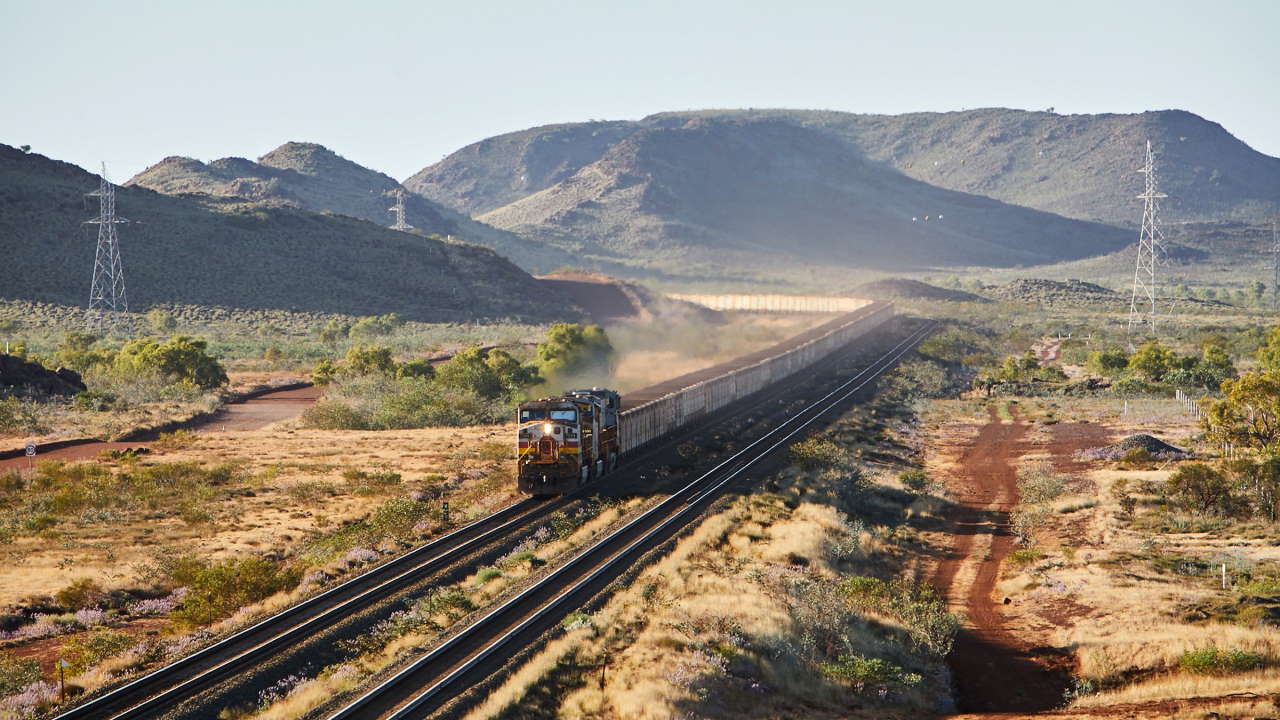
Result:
x=238 y=254
x=1080 y=166
x=312 y=177
x=908 y=289
x=706 y=196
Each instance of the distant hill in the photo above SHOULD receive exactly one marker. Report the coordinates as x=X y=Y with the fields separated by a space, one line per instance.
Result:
x=312 y=177
x=1080 y=166
x=238 y=254
x=708 y=195
x=908 y=289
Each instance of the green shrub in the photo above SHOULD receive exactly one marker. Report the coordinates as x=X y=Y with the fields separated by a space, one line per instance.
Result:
x=16 y=673
x=178 y=359
x=1107 y=363
x=1038 y=483
x=376 y=325
x=86 y=650
x=1212 y=661
x=19 y=416
x=219 y=588
x=81 y=593
x=915 y=480
x=334 y=415
x=487 y=574
x=94 y=401
x=868 y=674
x=818 y=454
x=571 y=349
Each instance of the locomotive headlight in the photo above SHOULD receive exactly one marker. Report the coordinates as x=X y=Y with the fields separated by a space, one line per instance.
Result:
x=546 y=428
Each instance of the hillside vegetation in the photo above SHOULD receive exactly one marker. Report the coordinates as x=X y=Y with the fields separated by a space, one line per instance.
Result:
x=240 y=254
x=1080 y=166
x=312 y=177
x=708 y=196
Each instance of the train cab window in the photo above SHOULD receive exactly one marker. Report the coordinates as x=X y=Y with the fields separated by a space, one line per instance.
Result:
x=566 y=415
x=534 y=414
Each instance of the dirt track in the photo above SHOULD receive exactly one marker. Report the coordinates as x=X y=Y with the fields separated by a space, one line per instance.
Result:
x=249 y=414
x=993 y=671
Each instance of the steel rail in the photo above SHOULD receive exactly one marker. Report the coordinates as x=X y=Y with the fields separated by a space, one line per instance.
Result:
x=146 y=695
x=678 y=509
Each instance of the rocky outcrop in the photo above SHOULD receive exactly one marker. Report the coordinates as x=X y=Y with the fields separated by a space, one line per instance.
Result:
x=19 y=375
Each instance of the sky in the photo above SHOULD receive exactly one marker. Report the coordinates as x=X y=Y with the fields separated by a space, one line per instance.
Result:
x=396 y=85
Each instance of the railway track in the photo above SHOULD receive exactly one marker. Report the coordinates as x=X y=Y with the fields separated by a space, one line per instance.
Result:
x=166 y=688
x=476 y=650
x=153 y=693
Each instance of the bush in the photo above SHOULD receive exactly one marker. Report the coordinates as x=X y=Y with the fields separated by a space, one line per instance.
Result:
x=178 y=359
x=217 y=589
x=376 y=325
x=161 y=322
x=85 y=651
x=19 y=416
x=868 y=674
x=1038 y=483
x=915 y=480
x=572 y=349
x=81 y=593
x=16 y=673
x=1212 y=661
x=1197 y=487
x=368 y=360
x=818 y=454
x=1107 y=363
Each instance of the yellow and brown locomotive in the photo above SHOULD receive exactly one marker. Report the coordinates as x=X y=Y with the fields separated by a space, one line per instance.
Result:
x=567 y=441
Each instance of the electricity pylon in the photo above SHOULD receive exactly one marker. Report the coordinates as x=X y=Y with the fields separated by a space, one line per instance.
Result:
x=1142 y=303
x=398 y=211
x=108 y=303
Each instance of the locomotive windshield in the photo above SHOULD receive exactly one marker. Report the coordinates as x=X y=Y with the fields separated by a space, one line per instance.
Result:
x=542 y=414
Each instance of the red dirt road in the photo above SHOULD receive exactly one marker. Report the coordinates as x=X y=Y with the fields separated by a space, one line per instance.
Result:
x=249 y=414
x=993 y=672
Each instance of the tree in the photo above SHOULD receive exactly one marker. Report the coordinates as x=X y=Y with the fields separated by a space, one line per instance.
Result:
x=572 y=349
x=1261 y=481
x=1248 y=415
x=161 y=321
x=334 y=331
x=1152 y=360
x=1201 y=487
x=1269 y=352
x=368 y=360
x=76 y=351
x=490 y=374
x=416 y=368
x=1257 y=290
x=1107 y=363
x=179 y=359
x=376 y=325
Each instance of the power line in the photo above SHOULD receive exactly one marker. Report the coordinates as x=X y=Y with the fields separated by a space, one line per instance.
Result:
x=1142 y=304
x=398 y=211
x=108 y=303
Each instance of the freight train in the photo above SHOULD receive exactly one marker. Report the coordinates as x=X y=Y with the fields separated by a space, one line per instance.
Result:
x=565 y=442
x=569 y=440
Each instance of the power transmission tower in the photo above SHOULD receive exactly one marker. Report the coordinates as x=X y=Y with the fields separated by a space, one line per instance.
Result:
x=108 y=303
x=398 y=211
x=1142 y=304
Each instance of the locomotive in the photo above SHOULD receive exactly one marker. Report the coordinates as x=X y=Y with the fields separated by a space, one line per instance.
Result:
x=566 y=441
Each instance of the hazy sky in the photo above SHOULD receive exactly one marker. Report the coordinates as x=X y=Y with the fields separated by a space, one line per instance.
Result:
x=397 y=85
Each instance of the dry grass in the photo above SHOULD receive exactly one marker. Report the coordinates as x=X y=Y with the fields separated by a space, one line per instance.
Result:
x=271 y=520
x=1181 y=685
x=705 y=597
x=1096 y=589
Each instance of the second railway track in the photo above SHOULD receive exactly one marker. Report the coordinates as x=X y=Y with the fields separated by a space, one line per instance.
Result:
x=478 y=649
